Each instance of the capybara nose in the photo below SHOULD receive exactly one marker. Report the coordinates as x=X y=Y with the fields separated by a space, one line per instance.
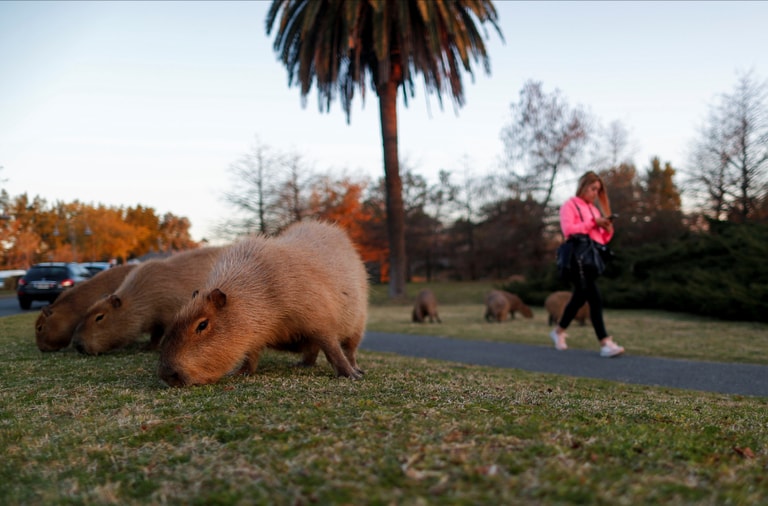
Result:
x=45 y=347
x=170 y=376
x=79 y=347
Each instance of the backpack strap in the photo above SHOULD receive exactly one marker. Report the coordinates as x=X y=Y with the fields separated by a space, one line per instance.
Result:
x=578 y=208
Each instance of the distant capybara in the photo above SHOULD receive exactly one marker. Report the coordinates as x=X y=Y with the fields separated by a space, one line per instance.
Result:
x=57 y=321
x=425 y=307
x=500 y=303
x=145 y=302
x=303 y=291
x=555 y=305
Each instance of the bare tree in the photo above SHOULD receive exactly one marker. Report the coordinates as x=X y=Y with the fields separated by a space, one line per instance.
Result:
x=253 y=183
x=730 y=158
x=545 y=136
x=612 y=147
x=291 y=192
x=269 y=191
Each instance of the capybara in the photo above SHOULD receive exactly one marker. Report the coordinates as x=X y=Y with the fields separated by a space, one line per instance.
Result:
x=57 y=321
x=425 y=307
x=145 y=302
x=500 y=303
x=303 y=291
x=555 y=305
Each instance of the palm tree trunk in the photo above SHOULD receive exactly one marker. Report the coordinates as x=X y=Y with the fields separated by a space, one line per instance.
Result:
x=394 y=189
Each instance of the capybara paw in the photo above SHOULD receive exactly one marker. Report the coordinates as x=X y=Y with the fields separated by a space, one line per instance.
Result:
x=354 y=374
x=245 y=370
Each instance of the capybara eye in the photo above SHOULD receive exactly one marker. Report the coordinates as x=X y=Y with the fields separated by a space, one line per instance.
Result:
x=201 y=326
x=99 y=317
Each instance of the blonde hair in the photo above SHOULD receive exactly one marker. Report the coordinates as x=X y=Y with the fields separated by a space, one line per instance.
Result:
x=602 y=195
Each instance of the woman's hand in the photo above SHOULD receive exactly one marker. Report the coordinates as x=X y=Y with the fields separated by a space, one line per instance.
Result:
x=604 y=223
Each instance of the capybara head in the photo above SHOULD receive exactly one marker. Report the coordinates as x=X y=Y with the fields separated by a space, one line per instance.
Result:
x=107 y=325
x=54 y=334
x=57 y=321
x=526 y=311
x=191 y=353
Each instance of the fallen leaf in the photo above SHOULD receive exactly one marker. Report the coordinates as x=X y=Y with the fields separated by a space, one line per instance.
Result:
x=747 y=452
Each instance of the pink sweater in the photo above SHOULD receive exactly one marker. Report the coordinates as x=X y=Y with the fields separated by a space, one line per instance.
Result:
x=572 y=223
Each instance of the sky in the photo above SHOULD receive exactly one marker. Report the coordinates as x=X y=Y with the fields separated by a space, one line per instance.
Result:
x=150 y=103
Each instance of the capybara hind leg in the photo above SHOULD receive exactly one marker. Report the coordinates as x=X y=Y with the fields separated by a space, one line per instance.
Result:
x=339 y=361
x=349 y=347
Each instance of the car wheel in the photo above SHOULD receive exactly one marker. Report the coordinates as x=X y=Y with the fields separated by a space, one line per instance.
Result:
x=25 y=303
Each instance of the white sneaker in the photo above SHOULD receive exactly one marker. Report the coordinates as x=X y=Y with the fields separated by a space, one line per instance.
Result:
x=611 y=349
x=559 y=340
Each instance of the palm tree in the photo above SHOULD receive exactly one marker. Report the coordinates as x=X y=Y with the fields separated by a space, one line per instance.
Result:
x=338 y=43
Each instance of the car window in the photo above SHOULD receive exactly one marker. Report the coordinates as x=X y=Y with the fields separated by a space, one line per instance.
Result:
x=81 y=271
x=51 y=272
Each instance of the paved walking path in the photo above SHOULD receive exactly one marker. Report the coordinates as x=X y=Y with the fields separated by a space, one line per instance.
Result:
x=743 y=379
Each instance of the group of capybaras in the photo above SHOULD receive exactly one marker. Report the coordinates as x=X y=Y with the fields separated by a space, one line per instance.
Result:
x=212 y=311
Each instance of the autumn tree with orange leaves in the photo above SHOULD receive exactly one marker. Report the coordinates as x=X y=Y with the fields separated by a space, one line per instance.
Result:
x=34 y=231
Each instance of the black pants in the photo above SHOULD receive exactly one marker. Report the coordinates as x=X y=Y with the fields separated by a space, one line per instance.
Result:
x=585 y=290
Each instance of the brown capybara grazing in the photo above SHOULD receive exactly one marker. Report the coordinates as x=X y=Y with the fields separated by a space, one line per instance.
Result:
x=555 y=305
x=57 y=321
x=145 y=302
x=425 y=307
x=303 y=291
x=500 y=303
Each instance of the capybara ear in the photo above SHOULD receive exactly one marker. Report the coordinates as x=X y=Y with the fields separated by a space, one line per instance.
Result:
x=115 y=301
x=47 y=310
x=194 y=294
x=218 y=298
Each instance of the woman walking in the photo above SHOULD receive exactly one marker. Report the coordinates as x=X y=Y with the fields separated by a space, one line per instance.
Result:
x=581 y=215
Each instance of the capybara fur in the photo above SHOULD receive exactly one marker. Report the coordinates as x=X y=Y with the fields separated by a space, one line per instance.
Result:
x=303 y=291
x=425 y=307
x=57 y=321
x=499 y=304
x=555 y=305
x=145 y=302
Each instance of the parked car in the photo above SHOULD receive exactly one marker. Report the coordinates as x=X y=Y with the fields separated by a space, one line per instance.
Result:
x=96 y=267
x=47 y=280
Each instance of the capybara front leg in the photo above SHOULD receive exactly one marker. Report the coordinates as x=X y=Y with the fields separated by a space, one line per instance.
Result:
x=250 y=363
x=309 y=356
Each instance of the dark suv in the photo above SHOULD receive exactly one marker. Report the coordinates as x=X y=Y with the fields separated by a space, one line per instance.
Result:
x=47 y=280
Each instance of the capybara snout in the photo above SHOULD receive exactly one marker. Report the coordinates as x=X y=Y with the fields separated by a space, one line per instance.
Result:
x=79 y=347
x=171 y=376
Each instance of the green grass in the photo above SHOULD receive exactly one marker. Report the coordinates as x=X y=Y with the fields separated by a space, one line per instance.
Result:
x=101 y=430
